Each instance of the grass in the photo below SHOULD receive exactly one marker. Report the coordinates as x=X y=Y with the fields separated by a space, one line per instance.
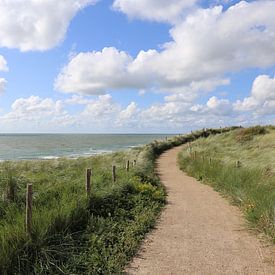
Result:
x=73 y=233
x=241 y=165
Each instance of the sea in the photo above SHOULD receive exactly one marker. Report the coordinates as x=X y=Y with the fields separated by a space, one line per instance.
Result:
x=53 y=146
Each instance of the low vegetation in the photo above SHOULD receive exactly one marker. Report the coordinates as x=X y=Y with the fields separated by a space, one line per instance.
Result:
x=241 y=165
x=73 y=233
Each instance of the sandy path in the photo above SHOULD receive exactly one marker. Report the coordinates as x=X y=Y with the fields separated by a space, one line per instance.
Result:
x=199 y=232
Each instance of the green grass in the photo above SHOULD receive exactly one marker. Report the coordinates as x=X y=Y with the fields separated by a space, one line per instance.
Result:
x=241 y=165
x=74 y=234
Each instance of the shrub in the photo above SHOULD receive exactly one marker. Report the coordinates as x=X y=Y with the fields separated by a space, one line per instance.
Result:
x=246 y=134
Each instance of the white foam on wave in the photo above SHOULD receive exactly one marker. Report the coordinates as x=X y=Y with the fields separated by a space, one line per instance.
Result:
x=93 y=152
x=49 y=157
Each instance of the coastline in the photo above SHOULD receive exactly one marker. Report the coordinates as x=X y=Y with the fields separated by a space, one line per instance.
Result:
x=46 y=147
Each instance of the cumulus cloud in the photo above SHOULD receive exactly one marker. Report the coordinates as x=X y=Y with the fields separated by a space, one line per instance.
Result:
x=33 y=108
x=263 y=88
x=4 y=68
x=103 y=114
x=191 y=92
x=219 y=106
x=36 y=114
x=129 y=116
x=36 y=25
x=77 y=100
x=154 y=10
x=3 y=64
x=208 y=43
x=205 y=46
x=100 y=108
x=3 y=84
x=262 y=99
x=95 y=72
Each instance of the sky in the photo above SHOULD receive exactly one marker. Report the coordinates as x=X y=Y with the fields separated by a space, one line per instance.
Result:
x=128 y=66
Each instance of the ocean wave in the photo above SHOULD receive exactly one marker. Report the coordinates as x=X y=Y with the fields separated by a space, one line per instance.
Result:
x=97 y=152
x=48 y=157
x=133 y=146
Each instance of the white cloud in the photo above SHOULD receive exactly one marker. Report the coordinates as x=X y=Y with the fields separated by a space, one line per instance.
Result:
x=263 y=88
x=129 y=116
x=214 y=107
x=191 y=92
x=3 y=64
x=32 y=109
x=219 y=106
x=95 y=72
x=3 y=84
x=100 y=111
x=168 y=115
x=205 y=46
x=209 y=43
x=142 y=92
x=262 y=99
x=103 y=114
x=128 y=112
x=77 y=100
x=154 y=10
x=36 y=114
x=247 y=104
x=35 y=24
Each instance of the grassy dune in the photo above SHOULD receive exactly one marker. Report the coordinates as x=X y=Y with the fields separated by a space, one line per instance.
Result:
x=73 y=234
x=241 y=165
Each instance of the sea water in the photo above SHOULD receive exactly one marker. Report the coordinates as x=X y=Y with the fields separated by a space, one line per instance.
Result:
x=51 y=146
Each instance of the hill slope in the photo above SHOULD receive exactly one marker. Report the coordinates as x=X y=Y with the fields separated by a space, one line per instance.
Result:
x=240 y=164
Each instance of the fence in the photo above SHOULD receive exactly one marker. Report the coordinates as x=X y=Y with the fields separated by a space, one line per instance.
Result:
x=29 y=194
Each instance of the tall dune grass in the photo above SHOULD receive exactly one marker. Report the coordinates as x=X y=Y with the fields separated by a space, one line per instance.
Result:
x=239 y=164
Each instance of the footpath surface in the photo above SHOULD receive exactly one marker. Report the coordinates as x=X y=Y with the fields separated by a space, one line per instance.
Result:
x=199 y=232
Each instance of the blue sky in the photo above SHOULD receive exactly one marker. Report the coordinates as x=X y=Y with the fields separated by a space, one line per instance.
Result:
x=92 y=29
x=135 y=66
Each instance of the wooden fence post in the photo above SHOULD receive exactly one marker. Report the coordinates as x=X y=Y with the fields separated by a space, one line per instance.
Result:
x=127 y=165
x=29 y=210
x=88 y=181
x=114 y=173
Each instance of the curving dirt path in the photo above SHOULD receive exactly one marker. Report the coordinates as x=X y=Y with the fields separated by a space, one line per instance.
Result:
x=199 y=232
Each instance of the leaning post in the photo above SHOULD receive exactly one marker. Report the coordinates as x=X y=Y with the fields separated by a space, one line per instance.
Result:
x=114 y=173
x=28 y=220
x=88 y=181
